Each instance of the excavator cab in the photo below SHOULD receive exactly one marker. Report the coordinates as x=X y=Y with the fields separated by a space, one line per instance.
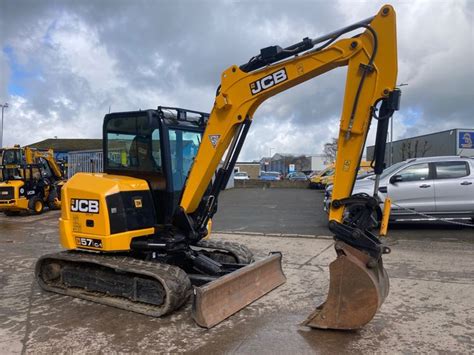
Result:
x=10 y=160
x=134 y=208
x=158 y=146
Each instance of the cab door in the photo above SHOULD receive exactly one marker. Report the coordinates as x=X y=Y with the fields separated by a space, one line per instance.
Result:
x=454 y=187
x=413 y=188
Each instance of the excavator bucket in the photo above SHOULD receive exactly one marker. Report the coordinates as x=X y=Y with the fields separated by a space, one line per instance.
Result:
x=219 y=299
x=356 y=291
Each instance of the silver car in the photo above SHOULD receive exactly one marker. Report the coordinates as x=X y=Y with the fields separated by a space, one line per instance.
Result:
x=441 y=187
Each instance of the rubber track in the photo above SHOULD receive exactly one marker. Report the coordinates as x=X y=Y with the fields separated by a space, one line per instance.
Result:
x=174 y=280
x=243 y=254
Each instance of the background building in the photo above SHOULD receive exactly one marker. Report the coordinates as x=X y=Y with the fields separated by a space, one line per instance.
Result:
x=280 y=162
x=251 y=168
x=62 y=146
x=318 y=162
x=456 y=141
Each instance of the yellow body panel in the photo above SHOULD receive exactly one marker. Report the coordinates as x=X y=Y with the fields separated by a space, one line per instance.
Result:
x=96 y=187
x=115 y=242
x=17 y=203
x=317 y=178
x=364 y=167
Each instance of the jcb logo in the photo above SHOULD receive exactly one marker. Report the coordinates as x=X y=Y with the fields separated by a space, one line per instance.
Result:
x=268 y=81
x=86 y=206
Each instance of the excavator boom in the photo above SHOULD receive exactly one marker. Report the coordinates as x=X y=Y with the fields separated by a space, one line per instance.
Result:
x=371 y=58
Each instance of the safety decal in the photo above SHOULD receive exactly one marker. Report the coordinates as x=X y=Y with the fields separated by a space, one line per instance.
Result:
x=214 y=138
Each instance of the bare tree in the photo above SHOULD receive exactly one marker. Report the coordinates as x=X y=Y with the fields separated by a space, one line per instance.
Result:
x=329 y=151
x=418 y=150
x=425 y=149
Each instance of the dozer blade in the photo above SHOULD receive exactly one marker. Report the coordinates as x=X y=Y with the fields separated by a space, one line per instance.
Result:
x=356 y=291
x=225 y=296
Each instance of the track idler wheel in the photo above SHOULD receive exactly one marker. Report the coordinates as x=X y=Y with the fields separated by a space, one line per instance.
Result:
x=358 y=286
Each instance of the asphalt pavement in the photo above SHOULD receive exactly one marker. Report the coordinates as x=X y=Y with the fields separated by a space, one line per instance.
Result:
x=300 y=212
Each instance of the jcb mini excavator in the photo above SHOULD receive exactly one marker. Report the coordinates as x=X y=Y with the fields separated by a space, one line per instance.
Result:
x=136 y=234
x=30 y=179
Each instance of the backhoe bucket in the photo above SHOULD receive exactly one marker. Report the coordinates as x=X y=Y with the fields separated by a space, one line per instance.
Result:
x=225 y=296
x=356 y=291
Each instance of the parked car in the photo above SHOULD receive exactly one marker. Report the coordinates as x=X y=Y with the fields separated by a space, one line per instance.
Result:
x=365 y=168
x=360 y=176
x=315 y=181
x=441 y=187
x=270 y=176
x=241 y=176
x=297 y=176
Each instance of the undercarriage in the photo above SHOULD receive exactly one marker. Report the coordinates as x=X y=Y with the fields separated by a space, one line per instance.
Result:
x=154 y=288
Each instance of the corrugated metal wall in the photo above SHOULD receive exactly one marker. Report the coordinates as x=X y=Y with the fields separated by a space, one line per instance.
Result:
x=85 y=161
x=429 y=145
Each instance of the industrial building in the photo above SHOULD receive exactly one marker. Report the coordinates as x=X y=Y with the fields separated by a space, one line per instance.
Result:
x=62 y=146
x=456 y=141
x=251 y=168
x=286 y=163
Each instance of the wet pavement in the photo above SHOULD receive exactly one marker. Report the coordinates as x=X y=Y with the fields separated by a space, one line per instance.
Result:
x=430 y=306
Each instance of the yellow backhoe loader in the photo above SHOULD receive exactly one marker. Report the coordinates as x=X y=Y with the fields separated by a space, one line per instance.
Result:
x=135 y=234
x=30 y=179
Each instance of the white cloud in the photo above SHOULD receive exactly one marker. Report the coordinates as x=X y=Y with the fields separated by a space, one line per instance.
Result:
x=23 y=124
x=85 y=57
x=80 y=53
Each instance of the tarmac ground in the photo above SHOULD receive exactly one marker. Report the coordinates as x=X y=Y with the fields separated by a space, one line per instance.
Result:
x=430 y=306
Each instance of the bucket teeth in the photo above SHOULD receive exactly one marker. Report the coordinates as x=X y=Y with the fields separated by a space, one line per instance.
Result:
x=225 y=296
x=356 y=291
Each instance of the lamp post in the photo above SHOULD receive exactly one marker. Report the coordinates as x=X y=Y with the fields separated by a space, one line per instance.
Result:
x=4 y=106
x=270 y=158
x=271 y=152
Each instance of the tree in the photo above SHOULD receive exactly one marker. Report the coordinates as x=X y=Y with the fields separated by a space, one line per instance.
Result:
x=329 y=151
x=418 y=151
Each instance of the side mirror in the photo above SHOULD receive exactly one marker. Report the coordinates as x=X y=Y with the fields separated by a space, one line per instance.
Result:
x=396 y=178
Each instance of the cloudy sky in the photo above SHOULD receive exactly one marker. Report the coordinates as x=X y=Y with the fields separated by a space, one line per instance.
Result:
x=64 y=63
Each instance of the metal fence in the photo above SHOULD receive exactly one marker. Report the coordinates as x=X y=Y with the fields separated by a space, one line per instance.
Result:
x=85 y=161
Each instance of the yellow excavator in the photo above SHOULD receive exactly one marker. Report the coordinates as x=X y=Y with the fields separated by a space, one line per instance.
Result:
x=30 y=179
x=136 y=235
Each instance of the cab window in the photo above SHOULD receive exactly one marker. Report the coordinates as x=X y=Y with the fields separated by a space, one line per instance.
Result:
x=451 y=169
x=184 y=146
x=133 y=145
x=45 y=169
x=416 y=172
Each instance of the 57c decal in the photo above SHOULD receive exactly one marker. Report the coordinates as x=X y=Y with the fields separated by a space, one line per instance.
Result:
x=268 y=81
x=89 y=242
